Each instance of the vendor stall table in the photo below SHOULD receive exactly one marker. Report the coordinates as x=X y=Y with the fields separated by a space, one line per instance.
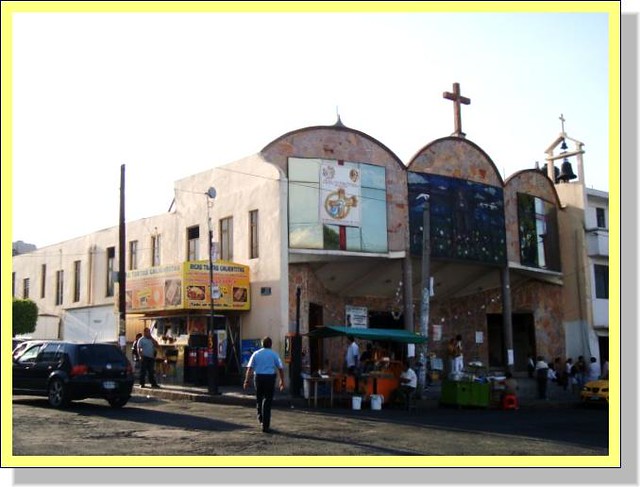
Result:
x=465 y=393
x=313 y=391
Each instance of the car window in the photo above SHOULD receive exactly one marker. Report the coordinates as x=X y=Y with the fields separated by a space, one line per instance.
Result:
x=20 y=348
x=30 y=353
x=52 y=352
x=98 y=354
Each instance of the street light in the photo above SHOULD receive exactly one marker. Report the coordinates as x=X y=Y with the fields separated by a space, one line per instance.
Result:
x=212 y=363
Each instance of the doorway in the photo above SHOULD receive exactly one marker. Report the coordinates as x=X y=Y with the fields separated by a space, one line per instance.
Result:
x=603 y=346
x=524 y=340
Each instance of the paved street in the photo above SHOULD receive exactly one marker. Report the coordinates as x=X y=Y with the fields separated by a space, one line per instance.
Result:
x=160 y=427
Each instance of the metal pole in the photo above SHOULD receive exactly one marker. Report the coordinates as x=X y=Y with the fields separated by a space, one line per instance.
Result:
x=122 y=275
x=426 y=293
x=507 y=321
x=212 y=363
x=296 y=354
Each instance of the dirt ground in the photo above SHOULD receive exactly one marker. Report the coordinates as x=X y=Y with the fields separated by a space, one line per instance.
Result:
x=158 y=427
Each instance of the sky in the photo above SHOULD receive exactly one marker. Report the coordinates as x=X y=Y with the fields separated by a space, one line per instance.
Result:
x=172 y=95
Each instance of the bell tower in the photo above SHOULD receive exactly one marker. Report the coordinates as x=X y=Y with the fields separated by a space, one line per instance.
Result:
x=560 y=150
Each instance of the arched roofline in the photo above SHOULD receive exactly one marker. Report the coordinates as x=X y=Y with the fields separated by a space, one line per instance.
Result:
x=458 y=139
x=539 y=173
x=340 y=127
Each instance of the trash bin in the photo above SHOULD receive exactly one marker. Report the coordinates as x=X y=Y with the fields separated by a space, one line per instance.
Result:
x=376 y=401
x=356 y=402
x=306 y=388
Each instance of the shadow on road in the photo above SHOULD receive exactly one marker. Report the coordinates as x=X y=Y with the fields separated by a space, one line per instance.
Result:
x=187 y=421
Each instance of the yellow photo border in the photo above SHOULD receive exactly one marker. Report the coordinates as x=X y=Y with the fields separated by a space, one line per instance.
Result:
x=612 y=8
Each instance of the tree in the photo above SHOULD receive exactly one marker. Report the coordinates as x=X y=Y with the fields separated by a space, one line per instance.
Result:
x=25 y=316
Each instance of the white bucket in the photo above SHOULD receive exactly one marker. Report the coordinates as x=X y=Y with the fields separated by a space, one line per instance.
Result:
x=376 y=401
x=356 y=402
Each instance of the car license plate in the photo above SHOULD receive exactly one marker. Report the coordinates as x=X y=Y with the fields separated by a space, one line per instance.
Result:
x=109 y=384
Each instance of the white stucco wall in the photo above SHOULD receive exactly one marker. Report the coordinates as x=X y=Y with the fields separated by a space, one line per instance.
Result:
x=242 y=186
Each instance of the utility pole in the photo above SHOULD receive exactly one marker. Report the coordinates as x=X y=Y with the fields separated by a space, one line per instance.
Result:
x=295 y=377
x=122 y=276
x=426 y=292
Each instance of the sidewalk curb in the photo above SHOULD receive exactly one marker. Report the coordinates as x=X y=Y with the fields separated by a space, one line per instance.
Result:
x=240 y=398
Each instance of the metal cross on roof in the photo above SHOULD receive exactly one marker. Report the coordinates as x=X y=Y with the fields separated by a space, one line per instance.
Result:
x=562 y=120
x=457 y=100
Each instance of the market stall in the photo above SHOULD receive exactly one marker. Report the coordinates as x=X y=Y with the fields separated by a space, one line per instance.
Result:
x=473 y=387
x=381 y=377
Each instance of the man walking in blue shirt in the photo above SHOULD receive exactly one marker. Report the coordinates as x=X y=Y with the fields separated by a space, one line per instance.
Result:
x=264 y=364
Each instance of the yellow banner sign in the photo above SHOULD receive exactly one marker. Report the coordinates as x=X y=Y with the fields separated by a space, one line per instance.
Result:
x=187 y=286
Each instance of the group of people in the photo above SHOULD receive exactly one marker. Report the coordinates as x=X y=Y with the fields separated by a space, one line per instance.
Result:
x=356 y=363
x=570 y=376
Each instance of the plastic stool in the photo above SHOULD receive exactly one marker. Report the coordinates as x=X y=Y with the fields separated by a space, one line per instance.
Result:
x=509 y=401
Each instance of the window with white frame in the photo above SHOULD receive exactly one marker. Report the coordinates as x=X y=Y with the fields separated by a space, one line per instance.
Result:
x=226 y=238
x=193 y=243
x=111 y=267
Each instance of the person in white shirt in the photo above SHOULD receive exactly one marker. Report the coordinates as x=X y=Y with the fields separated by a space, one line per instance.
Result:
x=353 y=356
x=542 y=377
x=593 y=370
x=408 y=383
x=458 y=362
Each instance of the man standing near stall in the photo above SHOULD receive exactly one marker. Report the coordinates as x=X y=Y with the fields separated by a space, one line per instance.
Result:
x=147 y=349
x=264 y=363
x=353 y=356
x=352 y=361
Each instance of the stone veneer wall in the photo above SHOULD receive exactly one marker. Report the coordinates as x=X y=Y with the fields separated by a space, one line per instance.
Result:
x=545 y=301
x=333 y=306
x=456 y=157
x=469 y=314
x=462 y=315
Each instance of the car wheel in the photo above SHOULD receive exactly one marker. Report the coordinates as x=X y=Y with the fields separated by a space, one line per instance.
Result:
x=118 y=401
x=58 y=394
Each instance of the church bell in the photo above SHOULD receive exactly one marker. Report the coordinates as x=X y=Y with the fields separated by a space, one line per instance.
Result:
x=566 y=172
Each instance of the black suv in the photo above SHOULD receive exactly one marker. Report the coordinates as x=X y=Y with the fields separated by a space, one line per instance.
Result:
x=64 y=371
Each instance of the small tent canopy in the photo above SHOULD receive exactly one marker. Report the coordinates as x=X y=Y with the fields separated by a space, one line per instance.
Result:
x=380 y=334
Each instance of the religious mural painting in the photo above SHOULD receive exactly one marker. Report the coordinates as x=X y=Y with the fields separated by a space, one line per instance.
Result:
x=466 y=218
x=337 y=205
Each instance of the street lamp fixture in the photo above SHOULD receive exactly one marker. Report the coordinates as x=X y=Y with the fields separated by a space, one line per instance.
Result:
x=212 y=363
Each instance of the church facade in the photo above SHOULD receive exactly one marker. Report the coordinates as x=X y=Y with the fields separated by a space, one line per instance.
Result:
x=324 y=226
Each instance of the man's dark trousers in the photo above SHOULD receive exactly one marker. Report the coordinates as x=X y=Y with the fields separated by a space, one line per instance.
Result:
x=148 y=368
x=265 y=385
